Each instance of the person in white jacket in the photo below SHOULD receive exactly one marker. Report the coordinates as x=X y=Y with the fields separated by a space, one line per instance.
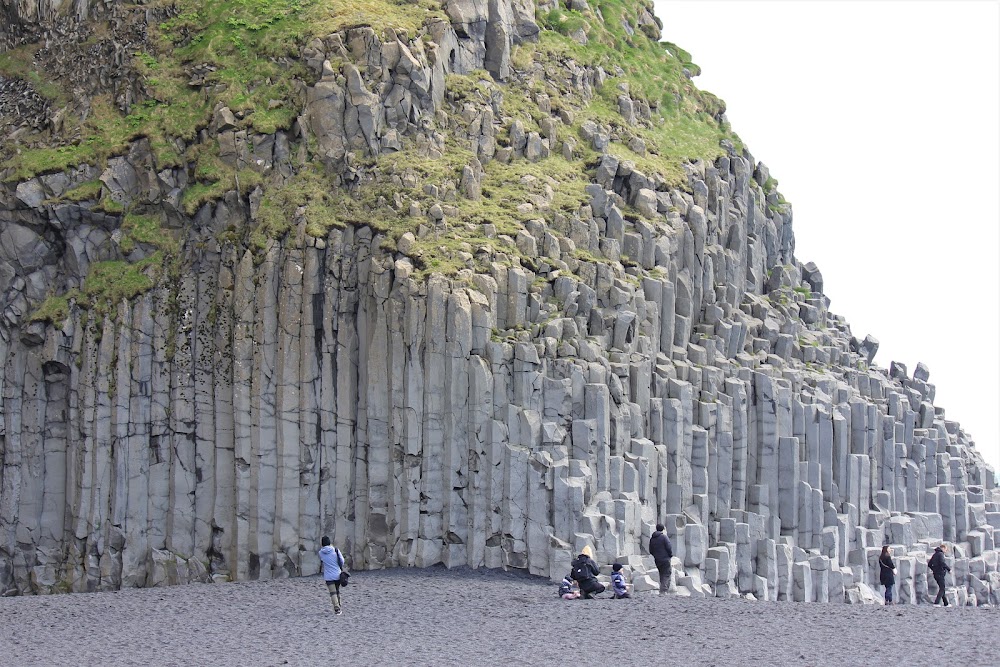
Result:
x=333 y=566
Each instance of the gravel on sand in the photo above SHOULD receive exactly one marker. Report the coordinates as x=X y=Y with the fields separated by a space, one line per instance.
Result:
x=473 y=617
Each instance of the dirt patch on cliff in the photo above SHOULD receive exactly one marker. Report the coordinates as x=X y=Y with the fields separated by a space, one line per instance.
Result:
x=464 y=617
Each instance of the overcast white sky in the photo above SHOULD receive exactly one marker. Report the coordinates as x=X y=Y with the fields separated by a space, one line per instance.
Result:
x=880 y=121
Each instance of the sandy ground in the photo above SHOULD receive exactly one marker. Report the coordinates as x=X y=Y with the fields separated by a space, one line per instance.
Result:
x=465 y=617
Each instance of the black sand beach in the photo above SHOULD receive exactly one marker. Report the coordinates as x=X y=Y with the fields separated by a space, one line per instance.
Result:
x=465 y=617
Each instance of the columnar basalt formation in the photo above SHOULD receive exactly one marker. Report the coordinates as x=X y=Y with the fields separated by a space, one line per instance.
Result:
x=653 y=352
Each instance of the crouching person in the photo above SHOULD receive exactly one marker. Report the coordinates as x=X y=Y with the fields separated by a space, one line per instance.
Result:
x=585 y=572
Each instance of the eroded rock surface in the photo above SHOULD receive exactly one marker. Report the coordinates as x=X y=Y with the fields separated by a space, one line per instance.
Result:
x=654 y=354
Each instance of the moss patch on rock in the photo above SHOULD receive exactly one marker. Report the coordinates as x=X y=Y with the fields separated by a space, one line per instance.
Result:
x=146 y=230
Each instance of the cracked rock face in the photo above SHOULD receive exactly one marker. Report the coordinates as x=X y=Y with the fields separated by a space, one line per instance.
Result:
x=655 y=355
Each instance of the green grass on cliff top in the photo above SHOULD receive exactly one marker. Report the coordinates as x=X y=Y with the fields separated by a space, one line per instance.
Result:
x=245 y=54
x=252 y=49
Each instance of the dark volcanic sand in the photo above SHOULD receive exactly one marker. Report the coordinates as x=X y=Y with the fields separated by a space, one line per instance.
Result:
x=465 y=617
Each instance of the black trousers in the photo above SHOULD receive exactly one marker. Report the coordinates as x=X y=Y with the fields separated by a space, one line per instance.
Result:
x=939 y=578
x=591 y=587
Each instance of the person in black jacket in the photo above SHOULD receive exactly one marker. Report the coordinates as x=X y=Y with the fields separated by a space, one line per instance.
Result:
x=887 y=573
x=661 y=551
x=585 y=572
x=939 y=567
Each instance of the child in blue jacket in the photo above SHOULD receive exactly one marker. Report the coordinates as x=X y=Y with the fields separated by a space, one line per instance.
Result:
x=618 y=584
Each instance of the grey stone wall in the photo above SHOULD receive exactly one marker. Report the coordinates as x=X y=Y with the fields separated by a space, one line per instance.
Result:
x=219 y=428
x=655 y=356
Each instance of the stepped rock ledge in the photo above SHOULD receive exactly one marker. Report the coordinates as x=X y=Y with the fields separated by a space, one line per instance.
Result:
x=422 y=381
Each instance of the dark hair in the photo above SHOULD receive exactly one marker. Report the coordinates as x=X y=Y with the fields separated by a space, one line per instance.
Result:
x=885 y=549
x=616 y=567
x=659 y=527
x=326 y=541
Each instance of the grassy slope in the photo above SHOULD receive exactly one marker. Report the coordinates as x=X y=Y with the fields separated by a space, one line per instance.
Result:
x=252 y=48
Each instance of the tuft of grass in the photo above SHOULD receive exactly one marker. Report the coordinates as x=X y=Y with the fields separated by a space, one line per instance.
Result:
x=109 y=205
x=106 y=133
x=565 y=21
x=55 y=309
x=109 y=283
x=504 y=187
x=214 y=178
x=146 y=230
x=380 y=15
x=683 y=56
x=311 y=188
x=90 y=190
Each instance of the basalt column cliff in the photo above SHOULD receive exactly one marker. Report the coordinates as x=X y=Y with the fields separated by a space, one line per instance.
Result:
x=472 y=282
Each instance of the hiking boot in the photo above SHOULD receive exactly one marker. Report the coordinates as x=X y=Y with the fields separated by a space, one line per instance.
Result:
x=339 y=612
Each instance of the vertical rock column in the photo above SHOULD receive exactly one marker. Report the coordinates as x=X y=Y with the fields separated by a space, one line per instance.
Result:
x=344 y=270
x=222 y=558
x=457 y=439
x=182 y=438
x=244 y=452
x=480 y=413
x=136 y=367
x=58 y=464
x=410 y=411
x=203 y=339
x=288 y=395
x=264 y=418
x=433 y=472
x=22 y=467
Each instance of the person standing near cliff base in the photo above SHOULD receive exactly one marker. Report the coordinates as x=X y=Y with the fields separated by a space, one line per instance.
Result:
x=333 y=566
x=661 y=551
x=887 y=573
x=939 y=567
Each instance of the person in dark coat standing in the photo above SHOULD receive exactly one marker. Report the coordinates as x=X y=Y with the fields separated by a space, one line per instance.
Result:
x=585 y=572
x=661 y=551
x=939 y=567
x=887 y=573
